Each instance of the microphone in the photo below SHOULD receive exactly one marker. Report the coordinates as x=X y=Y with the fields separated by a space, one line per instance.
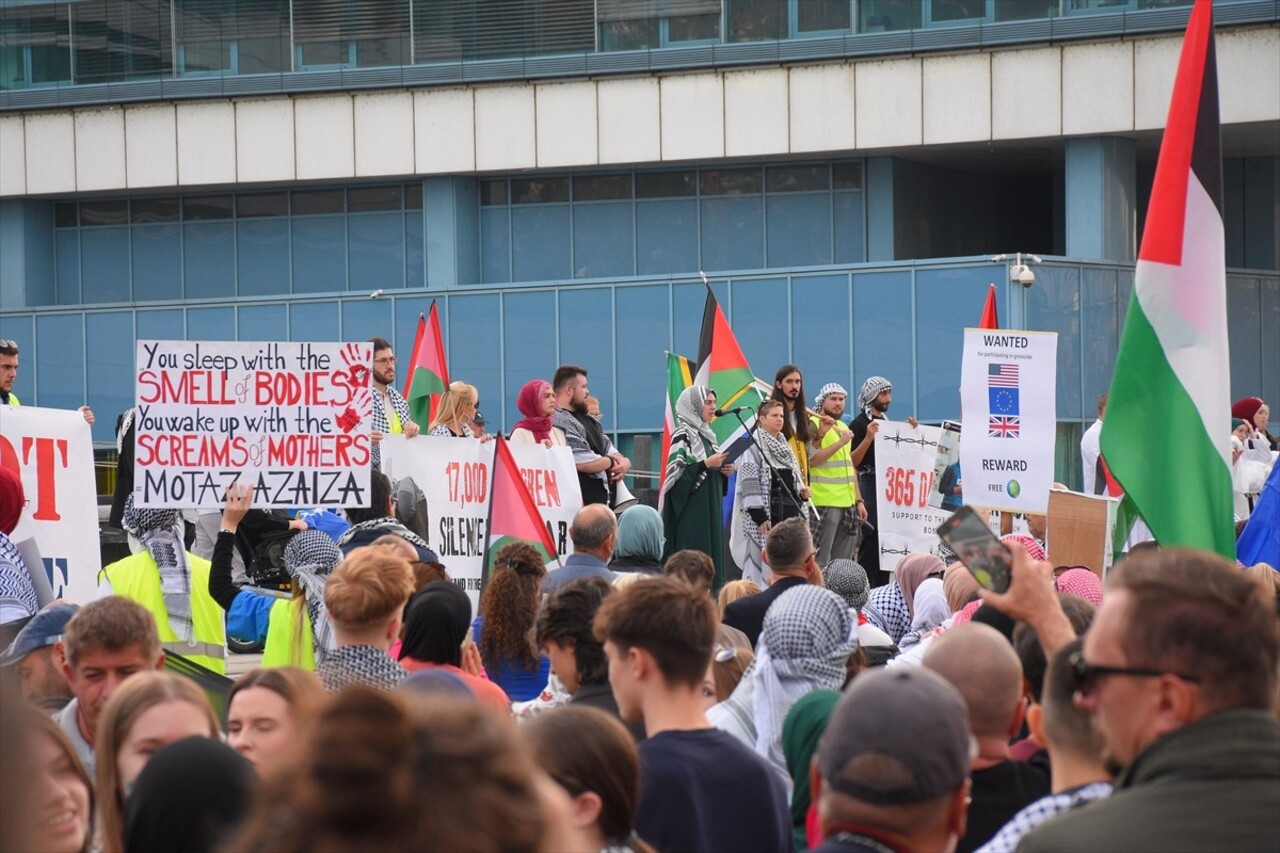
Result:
x=720 y=413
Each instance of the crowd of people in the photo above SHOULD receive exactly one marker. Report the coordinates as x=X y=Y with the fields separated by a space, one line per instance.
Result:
x=653 y=691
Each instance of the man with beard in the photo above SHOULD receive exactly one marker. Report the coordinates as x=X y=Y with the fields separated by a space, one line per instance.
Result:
x=873 y=400
x=600 y=465
x=788 y=386
x=390 y=410
x=831 y=479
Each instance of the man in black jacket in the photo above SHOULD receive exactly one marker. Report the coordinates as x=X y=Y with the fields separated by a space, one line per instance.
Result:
x=792 y=560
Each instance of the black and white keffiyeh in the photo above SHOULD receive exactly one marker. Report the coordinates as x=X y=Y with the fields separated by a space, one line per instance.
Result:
x=381 y=423
x=16 y=590
x=872 y=388
x=160 y=531
x=309 y=558
x=848 y=580
x=808 y=635
x=366 y=665
x=386 y=524
x=1021 y=824
x=691 y=436
x=754 y=491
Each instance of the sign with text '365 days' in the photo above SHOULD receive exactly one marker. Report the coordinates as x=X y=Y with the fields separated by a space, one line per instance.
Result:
x=292 y=419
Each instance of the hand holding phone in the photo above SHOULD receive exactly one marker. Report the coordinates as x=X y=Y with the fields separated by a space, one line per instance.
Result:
x=986 y=557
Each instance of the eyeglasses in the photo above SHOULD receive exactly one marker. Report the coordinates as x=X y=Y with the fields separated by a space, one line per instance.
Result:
x=390 y=359
x=1085 y=675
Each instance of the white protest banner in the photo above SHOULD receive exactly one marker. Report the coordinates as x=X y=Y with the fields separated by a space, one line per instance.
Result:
x=1008 y=387
x=52 y=451
x=454 y=475
x=905 y=458
x=293 y=419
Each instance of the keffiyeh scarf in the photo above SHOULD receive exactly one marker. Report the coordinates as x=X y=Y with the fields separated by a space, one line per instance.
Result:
x=16 y=589
x=381 y=423
x=691 y=436
x=309 y=558
x=872 y=388
x=160 y=531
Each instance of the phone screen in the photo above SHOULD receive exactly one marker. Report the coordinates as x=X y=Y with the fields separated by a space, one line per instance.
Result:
x=985 y=556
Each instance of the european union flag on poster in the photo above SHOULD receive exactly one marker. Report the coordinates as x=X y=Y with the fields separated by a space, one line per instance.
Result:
x=1002 y=388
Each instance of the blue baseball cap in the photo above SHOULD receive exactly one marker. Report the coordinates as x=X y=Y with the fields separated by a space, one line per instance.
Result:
x=44 y=629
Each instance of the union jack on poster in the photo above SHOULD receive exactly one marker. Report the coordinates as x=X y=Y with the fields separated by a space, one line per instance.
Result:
x=1000 y=426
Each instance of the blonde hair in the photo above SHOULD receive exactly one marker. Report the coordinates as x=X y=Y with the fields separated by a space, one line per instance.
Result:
x=734 y=590
x=135 y=697
x=458 y=394
x=368 y=588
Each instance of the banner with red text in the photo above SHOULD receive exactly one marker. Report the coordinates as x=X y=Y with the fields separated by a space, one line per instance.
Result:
x=52 y=451
x=905 y=457
x=455 y=473
x=293 y=419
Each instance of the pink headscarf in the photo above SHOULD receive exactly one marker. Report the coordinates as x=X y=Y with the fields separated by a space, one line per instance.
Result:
x=12 y=497
x=529 y=402
x=1081 y=582
x=911 y=571
x=1033 y=547
x=965 y=614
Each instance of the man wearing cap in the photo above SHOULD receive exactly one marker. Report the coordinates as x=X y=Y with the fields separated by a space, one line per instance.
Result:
x=832 y=485
x=873 y=401
x=36 y=654
x=892 y=770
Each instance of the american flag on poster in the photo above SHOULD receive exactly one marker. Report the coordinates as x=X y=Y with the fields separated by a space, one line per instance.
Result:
x=1001 y=426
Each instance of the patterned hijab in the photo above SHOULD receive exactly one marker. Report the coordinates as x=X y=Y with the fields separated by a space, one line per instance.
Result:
x=692 y=435
x=309 y=558
x=529 y=402
x=804 y=646
x=1034 y=548
x=1082 y=582
x=160 y=530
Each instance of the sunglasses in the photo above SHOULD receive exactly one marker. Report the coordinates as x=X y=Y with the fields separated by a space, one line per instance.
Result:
x=1085 y=675
x=5 y=343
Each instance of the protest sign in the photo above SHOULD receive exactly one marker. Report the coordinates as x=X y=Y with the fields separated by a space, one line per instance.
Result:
x=454 y=475
x=51 y=450
x=1008 y=382
x=1080 y=530
x=293 y=419
x=905 y=457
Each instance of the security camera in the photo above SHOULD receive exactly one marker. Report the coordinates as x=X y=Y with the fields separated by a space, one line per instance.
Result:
x=1022 y=274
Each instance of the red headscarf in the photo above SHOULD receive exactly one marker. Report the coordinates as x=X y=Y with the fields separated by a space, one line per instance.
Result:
x=12 y=497
x=1246 y=410
x=530 y=405
x=1033 y=547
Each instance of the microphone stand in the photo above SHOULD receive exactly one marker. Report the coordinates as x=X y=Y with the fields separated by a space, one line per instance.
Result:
x=764 y=460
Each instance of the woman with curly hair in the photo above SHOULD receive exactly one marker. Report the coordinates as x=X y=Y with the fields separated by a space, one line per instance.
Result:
x=504 y=629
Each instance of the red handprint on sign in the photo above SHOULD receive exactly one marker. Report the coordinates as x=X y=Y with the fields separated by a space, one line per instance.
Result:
x=352 y=416
x=355 y=356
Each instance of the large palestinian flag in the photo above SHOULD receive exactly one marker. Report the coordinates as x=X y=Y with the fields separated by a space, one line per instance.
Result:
x=1166 y=428
x=723 y=368
x=428 y=374
x=513 y=516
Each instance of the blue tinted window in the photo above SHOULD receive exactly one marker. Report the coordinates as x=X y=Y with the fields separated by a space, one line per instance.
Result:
x=529 y=348
x=666 y=236
x=157 y=262
x=849 y=228
x=313 y=321
x=365 y=318
x=377 y=251
x=759 y=320
x=603 y=240
x=59 y=352
x=821 y=335
x=688 y=302
x=415 y=269
x=211 y=324
x=474 y=348
x=1053 y=305
x=1099 y=327
x=946 y=302
x=586 y=338
x=209 y=250
x=495 y=244
x=263 y=246
x=540 y=242
x=68 y=259
x=799 y=228
x=105 y=264
x=1270 y=351
x=319 y=254
x=407 y=311
x=643 y=318
x=1244 y=302
x=21 y=329
x=262 y=322
x=732 y=233
x=163 y=325
x=109 y=336
x=882 y=343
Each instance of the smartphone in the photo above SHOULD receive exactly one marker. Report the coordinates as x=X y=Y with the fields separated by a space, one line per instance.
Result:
x=985 y=556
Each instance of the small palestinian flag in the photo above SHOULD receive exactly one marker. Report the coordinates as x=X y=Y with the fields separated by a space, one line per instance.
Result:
x=428 y=375
x=513 y=515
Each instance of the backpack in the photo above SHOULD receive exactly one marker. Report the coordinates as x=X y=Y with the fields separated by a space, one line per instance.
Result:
x=266 y=568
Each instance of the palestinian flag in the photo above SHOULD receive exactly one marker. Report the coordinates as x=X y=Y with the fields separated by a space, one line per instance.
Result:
x=1172 y=366
x=513 y=516
x=989 y=318
x=678 y=379
x=723 y=368
x=428 y=375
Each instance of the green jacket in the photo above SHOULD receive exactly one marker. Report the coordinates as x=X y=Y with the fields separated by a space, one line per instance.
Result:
x=1213 y=785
